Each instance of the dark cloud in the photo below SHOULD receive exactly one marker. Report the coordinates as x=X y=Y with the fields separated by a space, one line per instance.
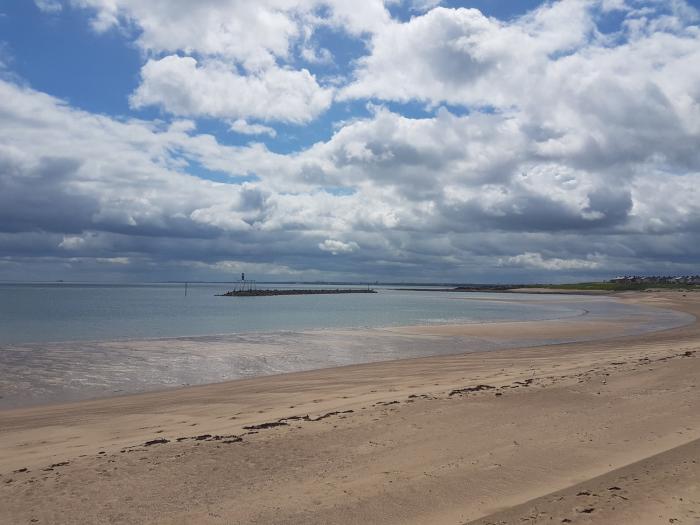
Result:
x=40 y=197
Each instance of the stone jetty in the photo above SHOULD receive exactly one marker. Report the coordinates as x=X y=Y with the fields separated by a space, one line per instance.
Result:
x=265 y=293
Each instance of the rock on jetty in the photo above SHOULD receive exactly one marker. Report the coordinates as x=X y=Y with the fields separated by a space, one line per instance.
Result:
x=260 y=293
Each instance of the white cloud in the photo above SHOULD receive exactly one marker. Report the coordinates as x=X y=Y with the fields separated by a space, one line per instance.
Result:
x=236 y=267
x=314 y=55
x=183 y=87
x=335 y=247
x=548 y=63
x=536 y=261
x=49 y=6
x=445 y=55
x=113 y=260
x=244 y=128
x=72 y=242
x=249 y=32
x=252 y=33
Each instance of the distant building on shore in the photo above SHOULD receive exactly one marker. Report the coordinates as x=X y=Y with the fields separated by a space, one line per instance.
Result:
x=657 y=279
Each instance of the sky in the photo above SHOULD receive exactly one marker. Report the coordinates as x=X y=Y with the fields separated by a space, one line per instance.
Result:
x=392 y=140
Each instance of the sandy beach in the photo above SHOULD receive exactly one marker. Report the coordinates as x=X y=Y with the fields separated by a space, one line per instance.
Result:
x=604 y=431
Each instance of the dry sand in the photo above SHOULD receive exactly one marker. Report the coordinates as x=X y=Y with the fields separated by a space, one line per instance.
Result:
x=593 y=432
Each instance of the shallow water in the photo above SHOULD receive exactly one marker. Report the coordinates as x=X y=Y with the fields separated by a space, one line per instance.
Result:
x=83 y=312
x=70 y=342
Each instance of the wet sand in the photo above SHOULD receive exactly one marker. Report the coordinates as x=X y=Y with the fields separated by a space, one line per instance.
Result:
x=601 y=431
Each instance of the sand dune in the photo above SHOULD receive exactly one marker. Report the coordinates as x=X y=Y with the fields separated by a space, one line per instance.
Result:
x=592 y=432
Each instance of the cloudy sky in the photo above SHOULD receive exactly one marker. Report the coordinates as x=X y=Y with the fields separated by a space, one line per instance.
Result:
x=473 y=141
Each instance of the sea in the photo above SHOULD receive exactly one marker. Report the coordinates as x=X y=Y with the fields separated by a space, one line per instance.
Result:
x=71 y=341
x=50 y=312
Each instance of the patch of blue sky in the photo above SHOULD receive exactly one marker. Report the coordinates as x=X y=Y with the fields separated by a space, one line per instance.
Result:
x=611 y=22
x=292 y=137
x=345 y=49
x=463 y=111
x=402 y=11
x=61 y=55
x=412 y=109
x=340 y=191
x=198 y=170
x=221 y=130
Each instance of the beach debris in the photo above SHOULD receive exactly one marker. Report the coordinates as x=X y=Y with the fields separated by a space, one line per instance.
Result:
x=329 y=414
x=422 y=396
x=55 y=465
x=230 y=438
x=468 y=389
x=283 y=421
x=156 y=442
x=262 y=426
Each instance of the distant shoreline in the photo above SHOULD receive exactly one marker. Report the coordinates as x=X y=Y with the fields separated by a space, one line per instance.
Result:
x=498 y=289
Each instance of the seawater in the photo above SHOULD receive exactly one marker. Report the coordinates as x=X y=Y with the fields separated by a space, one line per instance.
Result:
x=67 y=342
x=84 y=312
